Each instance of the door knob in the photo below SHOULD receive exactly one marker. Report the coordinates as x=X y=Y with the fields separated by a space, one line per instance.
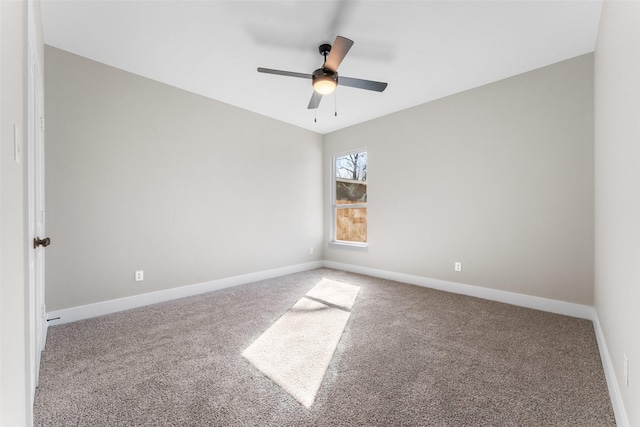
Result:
x=41 y=242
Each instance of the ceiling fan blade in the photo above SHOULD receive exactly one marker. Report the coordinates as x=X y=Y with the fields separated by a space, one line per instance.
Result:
x=362 y=84
x=338 y=51
x=314 y=101
x=284 y=73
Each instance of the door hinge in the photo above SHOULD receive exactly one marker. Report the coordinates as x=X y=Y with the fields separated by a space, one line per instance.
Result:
x=42 y=124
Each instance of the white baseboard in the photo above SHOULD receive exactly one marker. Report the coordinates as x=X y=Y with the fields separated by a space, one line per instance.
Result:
x=543 y=304
x=112 y=306
x=610 y=374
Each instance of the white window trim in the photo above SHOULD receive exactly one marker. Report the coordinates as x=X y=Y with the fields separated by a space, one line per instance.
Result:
x=333 y=206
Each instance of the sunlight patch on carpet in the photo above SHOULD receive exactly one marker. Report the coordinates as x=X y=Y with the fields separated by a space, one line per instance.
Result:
x=296 y=350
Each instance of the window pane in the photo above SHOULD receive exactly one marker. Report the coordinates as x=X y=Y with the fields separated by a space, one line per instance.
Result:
x=351 y=178
x=351 y=224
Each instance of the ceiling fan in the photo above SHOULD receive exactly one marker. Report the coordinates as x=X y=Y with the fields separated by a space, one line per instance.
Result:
x=325 y=79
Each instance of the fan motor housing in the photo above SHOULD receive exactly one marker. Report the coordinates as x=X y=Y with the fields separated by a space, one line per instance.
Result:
x=324 y=74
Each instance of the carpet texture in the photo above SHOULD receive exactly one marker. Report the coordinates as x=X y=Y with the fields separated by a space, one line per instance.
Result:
x=408 y=356
x=296 y=350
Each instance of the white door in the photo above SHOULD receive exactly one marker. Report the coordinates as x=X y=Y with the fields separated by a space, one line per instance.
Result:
x=39 y=218
x=37 y=240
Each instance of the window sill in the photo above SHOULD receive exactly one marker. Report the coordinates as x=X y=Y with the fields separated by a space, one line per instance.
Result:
x=360 y=247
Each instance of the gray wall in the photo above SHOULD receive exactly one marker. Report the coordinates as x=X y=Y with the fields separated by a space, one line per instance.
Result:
x=499 y=177
x=617 y=201
x=143 y=176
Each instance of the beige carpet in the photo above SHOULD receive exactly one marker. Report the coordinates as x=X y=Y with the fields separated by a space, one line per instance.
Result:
x=408 y=356
x=296 y=350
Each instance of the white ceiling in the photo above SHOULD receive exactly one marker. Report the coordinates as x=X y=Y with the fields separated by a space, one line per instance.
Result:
x=424 y=49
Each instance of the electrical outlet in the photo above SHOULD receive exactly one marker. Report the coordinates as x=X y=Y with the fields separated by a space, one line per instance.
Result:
x=311 y=250
x=139 y=277
x=458 y=266
x=626 y=370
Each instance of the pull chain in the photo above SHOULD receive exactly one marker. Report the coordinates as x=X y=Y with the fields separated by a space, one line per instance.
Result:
x=335 y=103
x=315 y=110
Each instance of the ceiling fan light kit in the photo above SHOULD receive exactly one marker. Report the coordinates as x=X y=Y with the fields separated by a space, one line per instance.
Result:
x=325 y=79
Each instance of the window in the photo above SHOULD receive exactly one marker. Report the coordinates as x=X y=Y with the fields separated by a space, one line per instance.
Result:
x=349 y=196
